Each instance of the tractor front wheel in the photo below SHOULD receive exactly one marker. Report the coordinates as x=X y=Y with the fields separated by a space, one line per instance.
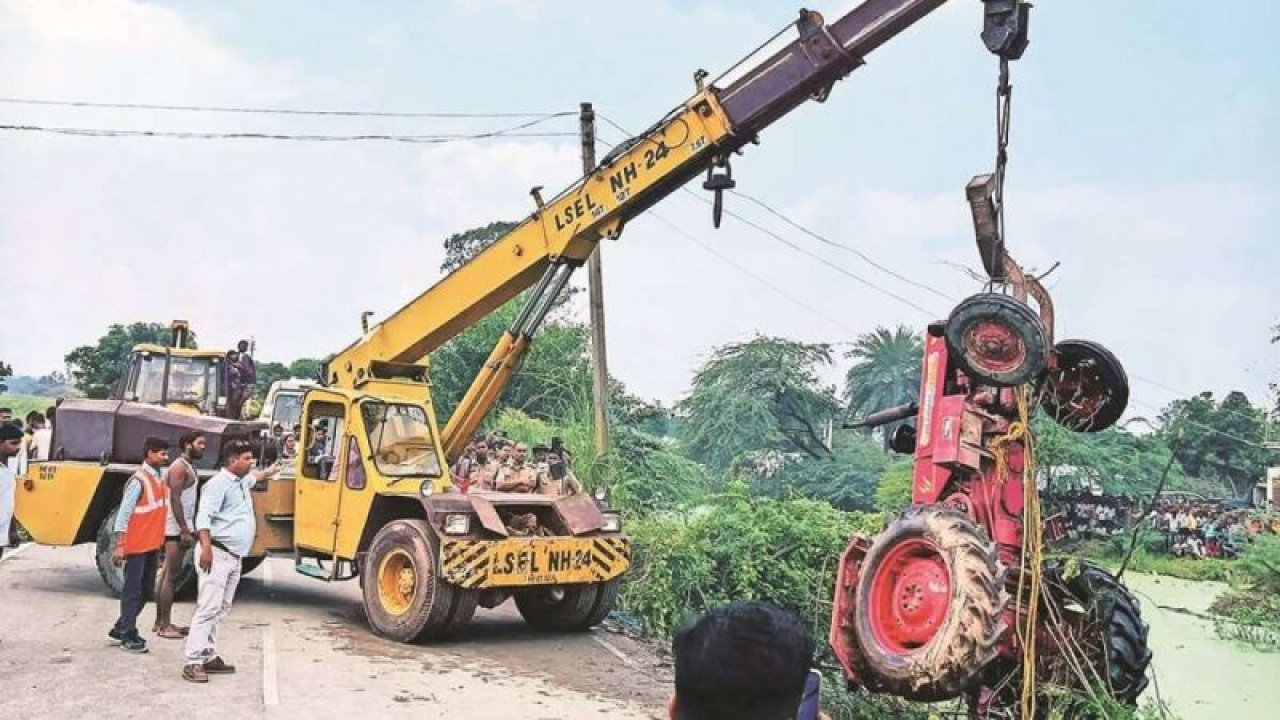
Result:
x=998 y=340
x=929 y=605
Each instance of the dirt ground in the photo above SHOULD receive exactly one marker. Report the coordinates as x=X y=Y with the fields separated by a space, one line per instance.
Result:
x=302 y=648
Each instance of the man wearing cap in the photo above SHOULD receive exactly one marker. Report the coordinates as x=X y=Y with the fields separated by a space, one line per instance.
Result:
x=10 y=444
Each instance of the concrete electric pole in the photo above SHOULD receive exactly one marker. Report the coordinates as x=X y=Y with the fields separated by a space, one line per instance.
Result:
x=595 y=299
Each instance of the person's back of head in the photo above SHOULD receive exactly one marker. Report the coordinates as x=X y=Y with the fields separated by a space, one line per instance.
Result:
x=743 y=661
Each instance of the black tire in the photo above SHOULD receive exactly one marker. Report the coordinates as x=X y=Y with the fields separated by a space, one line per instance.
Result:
x=1021 y=354
x=606 y=599
x=1110 y=629
x=1089 y=391
x=184 y=586
x=249 y=564
x=952 y=659
x=111 y=575
x=564 y=608
x=412 y=607
x=464 y=608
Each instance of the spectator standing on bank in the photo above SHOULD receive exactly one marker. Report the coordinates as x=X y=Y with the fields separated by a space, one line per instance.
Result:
x=10 y=442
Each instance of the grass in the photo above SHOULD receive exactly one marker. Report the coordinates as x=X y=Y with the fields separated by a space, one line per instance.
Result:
x=23 y=404
x=1111 y=553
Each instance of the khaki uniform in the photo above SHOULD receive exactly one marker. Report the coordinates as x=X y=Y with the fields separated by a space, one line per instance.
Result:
x=516 y=479
x=483 y=475
x=567 y=485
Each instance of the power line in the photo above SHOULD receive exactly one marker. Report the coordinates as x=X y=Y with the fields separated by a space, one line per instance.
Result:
x=758 y=278
x=842 y=246
x=269 y=111
x=794 y=246
x=819 y=259
x=419 y=139
x=513 y=131
x=1206 y=428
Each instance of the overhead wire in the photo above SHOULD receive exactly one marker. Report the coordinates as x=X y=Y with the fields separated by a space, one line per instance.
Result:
x=512 y=131
x=789 y=243
x=270 y=111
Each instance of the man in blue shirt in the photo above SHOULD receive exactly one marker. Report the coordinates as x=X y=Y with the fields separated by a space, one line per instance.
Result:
x=225 y=525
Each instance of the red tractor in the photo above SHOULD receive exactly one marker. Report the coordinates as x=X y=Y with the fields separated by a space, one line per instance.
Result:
x=936 y=606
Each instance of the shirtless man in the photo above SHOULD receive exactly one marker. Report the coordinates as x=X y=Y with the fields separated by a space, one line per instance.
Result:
x=182 y=480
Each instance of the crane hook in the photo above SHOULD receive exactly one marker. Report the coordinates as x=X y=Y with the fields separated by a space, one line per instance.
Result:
x=718 y=182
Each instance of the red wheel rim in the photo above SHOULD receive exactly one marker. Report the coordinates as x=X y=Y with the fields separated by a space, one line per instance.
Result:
x=909 y=596
x=994 y=346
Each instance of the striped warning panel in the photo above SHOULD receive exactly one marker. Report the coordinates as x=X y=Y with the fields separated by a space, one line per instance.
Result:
x=518 y=562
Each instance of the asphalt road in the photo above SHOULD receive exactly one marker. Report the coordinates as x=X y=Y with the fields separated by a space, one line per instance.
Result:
x=302 y=649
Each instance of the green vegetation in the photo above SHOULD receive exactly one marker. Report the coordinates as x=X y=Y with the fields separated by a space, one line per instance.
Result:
x=23 y=404
x=96 y=368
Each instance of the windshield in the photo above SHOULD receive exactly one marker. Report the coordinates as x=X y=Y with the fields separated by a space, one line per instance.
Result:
x=401 y=439
x=191 y=380
x=287 y=411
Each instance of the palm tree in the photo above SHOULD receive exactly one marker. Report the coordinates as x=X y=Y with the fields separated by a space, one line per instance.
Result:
x=886 y=371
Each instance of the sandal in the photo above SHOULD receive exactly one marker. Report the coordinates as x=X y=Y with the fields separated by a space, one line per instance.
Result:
x=170 y=632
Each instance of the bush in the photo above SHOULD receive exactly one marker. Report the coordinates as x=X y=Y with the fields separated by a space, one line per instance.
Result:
x=739 y=548
x=893 y=489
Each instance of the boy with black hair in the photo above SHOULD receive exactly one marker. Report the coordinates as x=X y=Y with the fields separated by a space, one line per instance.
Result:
x=743 y=661
x=139 y=530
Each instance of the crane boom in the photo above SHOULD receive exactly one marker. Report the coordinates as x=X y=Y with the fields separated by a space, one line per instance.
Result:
x=542 y=251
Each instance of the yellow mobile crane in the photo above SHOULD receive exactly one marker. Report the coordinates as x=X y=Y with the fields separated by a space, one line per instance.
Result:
x=373 y=498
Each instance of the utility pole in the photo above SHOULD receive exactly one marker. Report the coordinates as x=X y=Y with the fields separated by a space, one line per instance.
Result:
x=595 y=298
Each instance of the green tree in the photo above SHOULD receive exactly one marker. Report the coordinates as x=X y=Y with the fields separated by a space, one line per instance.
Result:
x=1218 y=441
x=551 y=383
x=1116 y=460
x=459 y=248
x=893 y=487
x=763 y=394
x=269 y=372
x=886 y=369
x=846 y=478
x=305 y=368
x=96 y=368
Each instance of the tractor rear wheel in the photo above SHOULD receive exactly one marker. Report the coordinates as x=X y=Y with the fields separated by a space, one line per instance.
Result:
x=929 y=605
x=1103 y=619
x=558 y=607
x=405 y=597
x=997 y=339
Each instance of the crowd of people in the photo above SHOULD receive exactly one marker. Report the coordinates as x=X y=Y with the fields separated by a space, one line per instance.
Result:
x=1195 y=528
x=1200 y=529
x=495 y=462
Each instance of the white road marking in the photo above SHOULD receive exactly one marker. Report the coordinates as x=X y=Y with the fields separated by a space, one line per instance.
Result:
x=270 y=692
x=14 y=552
x=613 y=649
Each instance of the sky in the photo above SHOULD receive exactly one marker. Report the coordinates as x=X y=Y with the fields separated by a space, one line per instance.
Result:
x=1143 y=159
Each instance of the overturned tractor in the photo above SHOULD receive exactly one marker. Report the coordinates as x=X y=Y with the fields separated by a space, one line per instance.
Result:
x=954 y=598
